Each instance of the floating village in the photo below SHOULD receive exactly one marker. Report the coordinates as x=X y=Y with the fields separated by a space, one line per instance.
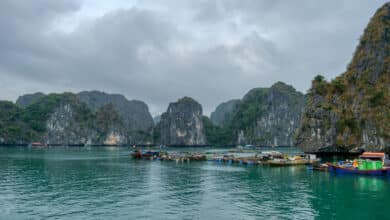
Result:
x=365 y=163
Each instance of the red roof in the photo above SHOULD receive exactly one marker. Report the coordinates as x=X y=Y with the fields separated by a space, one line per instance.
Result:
x=373 y=155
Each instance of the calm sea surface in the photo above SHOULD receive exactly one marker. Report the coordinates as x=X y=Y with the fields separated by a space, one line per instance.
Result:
x=104 y=183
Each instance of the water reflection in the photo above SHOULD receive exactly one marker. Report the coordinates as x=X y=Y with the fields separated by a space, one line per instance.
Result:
x=370 y=183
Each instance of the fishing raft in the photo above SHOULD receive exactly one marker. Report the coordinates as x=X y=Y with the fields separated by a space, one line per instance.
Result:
x=259 y=158
x=162 y=155
x=271 y=158
x=297 y=160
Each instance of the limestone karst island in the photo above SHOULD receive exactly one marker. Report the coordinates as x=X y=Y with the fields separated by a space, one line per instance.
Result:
x=194 y=109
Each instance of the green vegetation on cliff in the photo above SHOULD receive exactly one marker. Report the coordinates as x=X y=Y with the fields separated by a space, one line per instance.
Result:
x=252 y=107
x=36 y=114
x=216 y=135
x=12 y=127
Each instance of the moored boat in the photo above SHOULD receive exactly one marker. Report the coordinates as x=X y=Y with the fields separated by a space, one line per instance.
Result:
x=352 y=170
x=369 y=163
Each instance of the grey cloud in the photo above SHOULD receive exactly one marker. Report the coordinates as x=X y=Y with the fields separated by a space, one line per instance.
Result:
x=210 y=50
x=24 y=43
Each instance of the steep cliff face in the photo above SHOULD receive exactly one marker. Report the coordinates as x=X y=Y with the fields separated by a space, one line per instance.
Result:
x=73 y=123
x=224 y=112
x=269 y=116
x=353 y=110
x=134 y=113
x=68 y=123
x=182 y=124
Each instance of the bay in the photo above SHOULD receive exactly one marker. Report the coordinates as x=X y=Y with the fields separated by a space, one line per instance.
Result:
x=105 y=183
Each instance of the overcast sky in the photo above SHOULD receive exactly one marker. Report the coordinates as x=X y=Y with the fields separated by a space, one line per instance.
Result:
x=160 y=50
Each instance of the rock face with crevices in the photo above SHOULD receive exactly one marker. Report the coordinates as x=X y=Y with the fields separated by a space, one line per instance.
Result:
x=182 y=124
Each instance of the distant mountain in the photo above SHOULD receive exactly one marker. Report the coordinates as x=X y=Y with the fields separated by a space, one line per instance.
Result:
x=69 y=119
x=224 y=111
x=156 y=119
x=353 y=110
x=26 y=100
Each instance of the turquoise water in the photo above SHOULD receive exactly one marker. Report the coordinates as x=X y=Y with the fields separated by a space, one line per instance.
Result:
x=104 y=183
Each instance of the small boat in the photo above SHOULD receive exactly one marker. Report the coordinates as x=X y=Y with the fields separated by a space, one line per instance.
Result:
x=369 y=163
x=352 y=170
x=320 y=167
x=139 y=154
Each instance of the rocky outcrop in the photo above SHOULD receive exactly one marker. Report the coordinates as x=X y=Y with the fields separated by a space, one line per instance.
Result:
x=224 y=112
x=182 y=124
x=269 y=116
x=28 y=99
x=265 y=117
x=134 y=113
x=67 y=125
x=353 y=110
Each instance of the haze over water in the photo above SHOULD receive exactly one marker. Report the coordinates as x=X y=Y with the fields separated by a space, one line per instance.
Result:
x=99 y=183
